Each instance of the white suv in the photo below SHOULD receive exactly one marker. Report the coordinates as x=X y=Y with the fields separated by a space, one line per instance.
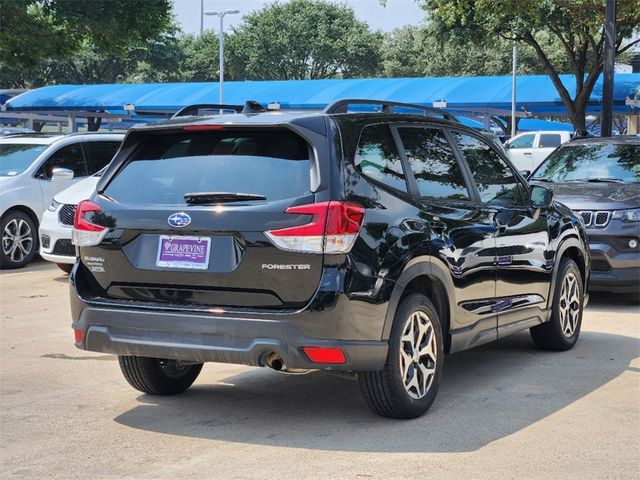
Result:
x=33 y=168
x=528 y=150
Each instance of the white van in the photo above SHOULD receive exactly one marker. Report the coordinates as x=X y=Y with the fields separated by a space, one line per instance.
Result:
x=528 y=150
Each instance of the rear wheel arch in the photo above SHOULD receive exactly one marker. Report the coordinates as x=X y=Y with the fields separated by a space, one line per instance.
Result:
x=429 y=277
x=570 y=248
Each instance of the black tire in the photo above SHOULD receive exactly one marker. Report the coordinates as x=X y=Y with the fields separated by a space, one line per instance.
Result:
x=65 y=267
x=384 y=391
x=17 y=222
x=556 y=334
x=157 y=376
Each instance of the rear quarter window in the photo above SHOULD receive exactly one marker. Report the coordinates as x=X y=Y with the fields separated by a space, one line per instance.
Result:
x=271 y=163
x=550 y=140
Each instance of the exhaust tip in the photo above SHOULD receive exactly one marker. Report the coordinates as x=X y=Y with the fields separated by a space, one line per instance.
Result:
x=274 y=361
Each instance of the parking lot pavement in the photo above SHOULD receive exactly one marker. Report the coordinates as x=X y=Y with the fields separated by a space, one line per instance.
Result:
x=504 y=410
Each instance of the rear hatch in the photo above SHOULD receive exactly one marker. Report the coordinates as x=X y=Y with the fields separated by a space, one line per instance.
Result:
x=187 y=214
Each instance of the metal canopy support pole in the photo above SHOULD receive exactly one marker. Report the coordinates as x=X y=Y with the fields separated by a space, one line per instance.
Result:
x=73 y=125
x=606 y=118
x=221 y=41
x=513 y=89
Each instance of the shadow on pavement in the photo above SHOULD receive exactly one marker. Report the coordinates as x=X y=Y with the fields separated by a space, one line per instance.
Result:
x=486 y=394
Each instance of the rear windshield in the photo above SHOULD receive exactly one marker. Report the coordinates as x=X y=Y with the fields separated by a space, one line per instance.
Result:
x=592 y=162
x=271 y=163
x=15 y=158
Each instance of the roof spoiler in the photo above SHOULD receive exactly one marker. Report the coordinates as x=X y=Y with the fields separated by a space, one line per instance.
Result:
x=250 y=106
x=192 y=110
x=342 y=105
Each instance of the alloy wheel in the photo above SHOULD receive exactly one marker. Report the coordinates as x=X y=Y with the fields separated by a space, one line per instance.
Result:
x=418 y=354
x=569 y=305
x=17 y=240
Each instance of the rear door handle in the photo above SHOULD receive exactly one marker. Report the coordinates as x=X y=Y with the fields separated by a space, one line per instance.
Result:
x=527 y=153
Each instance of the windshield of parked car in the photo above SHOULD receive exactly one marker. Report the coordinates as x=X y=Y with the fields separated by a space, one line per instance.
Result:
x=603 y=161
x=15 y=158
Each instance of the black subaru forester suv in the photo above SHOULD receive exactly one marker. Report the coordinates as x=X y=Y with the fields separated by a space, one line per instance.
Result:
x=369 y=242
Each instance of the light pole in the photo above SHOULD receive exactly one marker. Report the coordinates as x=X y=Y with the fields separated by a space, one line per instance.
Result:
x=221 y=14
x=514 y=60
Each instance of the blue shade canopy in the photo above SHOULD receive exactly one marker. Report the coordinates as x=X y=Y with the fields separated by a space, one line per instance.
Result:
x=535 y=94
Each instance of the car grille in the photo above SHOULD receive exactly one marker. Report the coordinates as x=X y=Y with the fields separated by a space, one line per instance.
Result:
x=601 y=266
x=66 y=214
x=595 y=219
x=64 y=247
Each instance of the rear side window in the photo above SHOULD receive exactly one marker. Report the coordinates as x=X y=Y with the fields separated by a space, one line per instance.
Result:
x=99 y=154
x=377 y=157
x=433 y=163
x=496 y=182
x=271 y=163
x=549 y=140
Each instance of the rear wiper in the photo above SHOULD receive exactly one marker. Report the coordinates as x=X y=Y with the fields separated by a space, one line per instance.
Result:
x=539 y=179
x=220 y=197
x=598 y=180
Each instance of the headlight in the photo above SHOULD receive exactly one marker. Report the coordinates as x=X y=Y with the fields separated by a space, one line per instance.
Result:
x=632 y=215
x=54 y=206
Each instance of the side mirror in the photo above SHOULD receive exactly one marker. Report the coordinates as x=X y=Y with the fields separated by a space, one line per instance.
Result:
x=506 y=145
x=525 y=174
x=59 y=174
x=541 y=197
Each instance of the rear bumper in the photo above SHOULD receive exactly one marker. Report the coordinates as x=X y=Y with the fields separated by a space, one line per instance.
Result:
x=207 y=336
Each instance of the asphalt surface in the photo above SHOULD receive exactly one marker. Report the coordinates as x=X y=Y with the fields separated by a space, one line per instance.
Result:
x=504 y=410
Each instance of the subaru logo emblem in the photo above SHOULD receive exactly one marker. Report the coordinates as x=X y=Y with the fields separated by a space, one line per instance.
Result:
x=179 y=220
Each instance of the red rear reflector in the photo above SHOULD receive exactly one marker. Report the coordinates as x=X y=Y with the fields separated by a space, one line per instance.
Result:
x=200 y=128
x=79 y=334
x=325 y=354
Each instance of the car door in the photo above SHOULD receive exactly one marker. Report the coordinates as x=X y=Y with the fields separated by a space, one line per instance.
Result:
x=547 y=143
x=523 y=257
x=461 y=230
x=520 y=151
x=70 y=157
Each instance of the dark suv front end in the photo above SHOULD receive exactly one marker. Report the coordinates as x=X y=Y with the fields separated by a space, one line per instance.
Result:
x=599 y=179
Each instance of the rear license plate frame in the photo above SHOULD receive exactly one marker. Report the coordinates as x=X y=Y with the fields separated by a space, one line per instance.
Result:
x=183 y=258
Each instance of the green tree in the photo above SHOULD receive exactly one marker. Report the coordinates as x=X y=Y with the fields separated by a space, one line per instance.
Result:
x=303 y=39
x=98 y=33
x=417 y=51
x=576 y=25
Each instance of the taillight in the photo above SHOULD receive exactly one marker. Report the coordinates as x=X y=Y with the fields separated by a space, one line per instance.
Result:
x=333 y=228
x=86 y=233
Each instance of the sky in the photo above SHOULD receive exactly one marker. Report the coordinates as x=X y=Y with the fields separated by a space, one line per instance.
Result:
x=397 y=13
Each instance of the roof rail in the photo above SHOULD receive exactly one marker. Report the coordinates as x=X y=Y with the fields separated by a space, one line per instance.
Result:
x=341 y=106
x=192 y=110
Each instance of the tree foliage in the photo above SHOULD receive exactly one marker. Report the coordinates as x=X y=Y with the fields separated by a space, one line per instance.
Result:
x=419 y=51
x=33 y=32
x=575 y=25
x=303 y=39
